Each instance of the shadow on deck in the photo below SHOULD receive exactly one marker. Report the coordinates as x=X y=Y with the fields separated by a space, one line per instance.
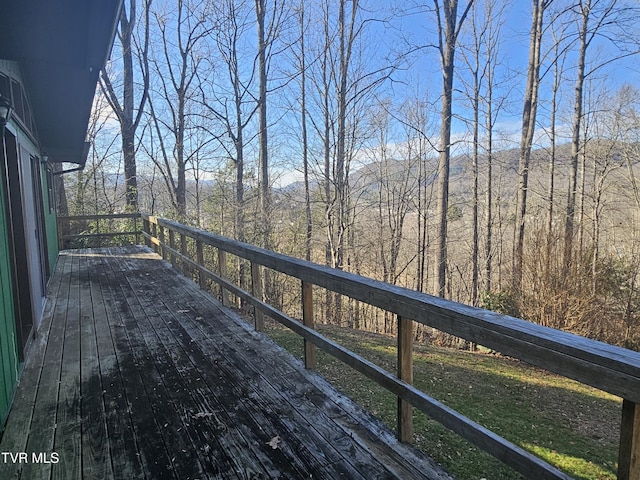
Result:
x=137 y=373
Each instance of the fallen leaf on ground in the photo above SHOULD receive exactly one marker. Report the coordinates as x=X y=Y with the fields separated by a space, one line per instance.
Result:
x=203 y=415
x=274 y=442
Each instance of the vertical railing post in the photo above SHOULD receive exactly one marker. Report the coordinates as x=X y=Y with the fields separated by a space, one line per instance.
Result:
x=308 y=321
x=222 y=268
x=163 y=239
x=186 y=271
x=256 y=291
x=405 y=373
x=629 y=454
x=61 y=230
x=154 y=231
x=146 y=228
x=172 y=245
x=200 y=255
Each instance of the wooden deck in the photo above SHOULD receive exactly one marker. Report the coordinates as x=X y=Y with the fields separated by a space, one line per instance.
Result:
x=136 y=373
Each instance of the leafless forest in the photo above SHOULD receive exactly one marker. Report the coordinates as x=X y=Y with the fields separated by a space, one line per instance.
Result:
x=486 y=151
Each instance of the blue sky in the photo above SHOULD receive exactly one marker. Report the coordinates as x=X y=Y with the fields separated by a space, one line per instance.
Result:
x=423 y=77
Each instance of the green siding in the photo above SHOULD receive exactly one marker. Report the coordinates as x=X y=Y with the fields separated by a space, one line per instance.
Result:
x=8 y=344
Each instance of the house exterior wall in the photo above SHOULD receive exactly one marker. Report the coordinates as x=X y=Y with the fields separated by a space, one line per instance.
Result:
x=9 y=364
x=31 y=184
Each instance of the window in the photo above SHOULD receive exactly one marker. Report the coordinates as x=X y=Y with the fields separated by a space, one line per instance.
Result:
x=28 y=119
x=12 y=89
x=5 y=87
x=16 y=98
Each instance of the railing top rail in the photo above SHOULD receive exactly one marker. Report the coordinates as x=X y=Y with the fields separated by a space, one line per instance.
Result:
x=607 y=367
x=99 y=216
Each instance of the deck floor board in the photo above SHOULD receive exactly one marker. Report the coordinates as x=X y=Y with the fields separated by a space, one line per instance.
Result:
x=137 y=373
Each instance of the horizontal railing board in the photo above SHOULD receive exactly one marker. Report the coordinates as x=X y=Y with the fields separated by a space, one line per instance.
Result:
x=96 y=235
x=607 y=367
x=99 y=217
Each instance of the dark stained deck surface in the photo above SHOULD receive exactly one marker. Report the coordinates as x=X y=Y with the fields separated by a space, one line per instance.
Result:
x=136 y=373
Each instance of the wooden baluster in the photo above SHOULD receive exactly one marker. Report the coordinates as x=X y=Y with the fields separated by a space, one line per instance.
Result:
x=61 y=230
x=256 y=291
x=172 y=245
x=186 y=270
x=629 y=454
x=146 y=227
x=309 y=321
x=162 y=243
x=154 y=232
x=222 y=268
x=405 y=373
x=200 y=254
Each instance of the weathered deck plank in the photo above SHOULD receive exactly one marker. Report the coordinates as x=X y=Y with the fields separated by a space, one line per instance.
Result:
x=121 y=436
x=223 y=387
x=67 y=439
x=285 y=379
x=45 y=409
x=146 y=376
x=155 y=459
x=96 y=462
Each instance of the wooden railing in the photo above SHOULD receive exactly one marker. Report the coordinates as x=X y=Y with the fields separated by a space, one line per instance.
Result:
x=606 y=367
x=79 y=231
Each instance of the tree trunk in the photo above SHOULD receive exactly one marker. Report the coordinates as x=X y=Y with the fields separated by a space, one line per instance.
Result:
x=127 y=128
x=448 y=27
x=528 y=128
x=575 y=140
x=128 y=118
x=442 y=196
x=305 y=141
x=552 y=164
x=263 y=152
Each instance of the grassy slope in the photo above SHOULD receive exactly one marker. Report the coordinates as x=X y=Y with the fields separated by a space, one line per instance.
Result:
x=567 y=424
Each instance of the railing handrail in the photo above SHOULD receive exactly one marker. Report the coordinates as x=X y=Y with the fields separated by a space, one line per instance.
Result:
x=603 y=366
x=101 y=216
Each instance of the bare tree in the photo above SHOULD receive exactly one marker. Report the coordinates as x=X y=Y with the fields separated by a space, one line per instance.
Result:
x=493 y=106
x=347 y=33
x=128 y=115
x=627 y=116
x=606 y=20
x=416 y=126
x=481 y=58
x=559 y=53
x=342 y=86
x=230 y=100
x=529 y=111
x=89 y=190
x=301 y=59
x=449 y=25
x=183 y=32
x=392 y=176
x=263 y=162
x=268 y=21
